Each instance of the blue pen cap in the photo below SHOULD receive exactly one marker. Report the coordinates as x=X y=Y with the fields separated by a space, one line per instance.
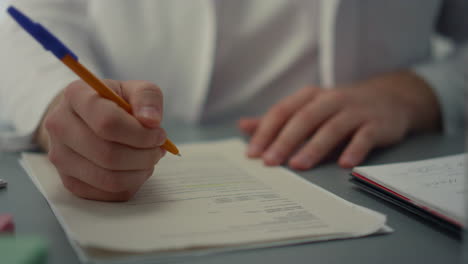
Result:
x=41 y=34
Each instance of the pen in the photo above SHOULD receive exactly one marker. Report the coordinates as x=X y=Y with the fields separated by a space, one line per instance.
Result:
x=54 y=45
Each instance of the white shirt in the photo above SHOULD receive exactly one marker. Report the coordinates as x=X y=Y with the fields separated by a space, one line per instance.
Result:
x=276 y=47
x=265 y=50
x=262 y=51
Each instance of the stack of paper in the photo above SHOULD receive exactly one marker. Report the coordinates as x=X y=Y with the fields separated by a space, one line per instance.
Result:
x=211 y=198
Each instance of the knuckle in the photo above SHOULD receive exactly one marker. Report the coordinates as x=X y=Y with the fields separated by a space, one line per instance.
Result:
x=304 y=114
x=54 y=121
x=109 y=156
x=279 y=112
x=107 y=124
x=54 y=156
x=334 y=128
x=51 y=124
x=369 y=134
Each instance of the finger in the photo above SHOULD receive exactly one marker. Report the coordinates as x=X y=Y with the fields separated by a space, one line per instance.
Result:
x=72 y=164
x=108 y=120
x=74 y=133
x=87 y=191
x=361 y=144
x=275 y=119
x=304 y=122
x=327 y=138
x=146 y=100
x=249 y=125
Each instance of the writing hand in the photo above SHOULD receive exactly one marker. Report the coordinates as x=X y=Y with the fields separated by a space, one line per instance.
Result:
x=100 y=151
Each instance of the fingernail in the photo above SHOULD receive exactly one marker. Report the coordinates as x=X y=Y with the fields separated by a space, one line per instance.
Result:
x=148 y=112
x=254 y=151
x=302 y=162
x=272 y=158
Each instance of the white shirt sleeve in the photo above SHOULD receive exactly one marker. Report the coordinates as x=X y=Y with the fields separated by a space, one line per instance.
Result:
x=448 y=76
x=448 y=79
x=30 y=76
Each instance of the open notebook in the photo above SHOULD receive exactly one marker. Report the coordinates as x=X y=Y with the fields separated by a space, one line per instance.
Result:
x=211 y=199
x=432 y=188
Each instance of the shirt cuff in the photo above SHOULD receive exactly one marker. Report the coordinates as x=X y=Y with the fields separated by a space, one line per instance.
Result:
x=448 y=83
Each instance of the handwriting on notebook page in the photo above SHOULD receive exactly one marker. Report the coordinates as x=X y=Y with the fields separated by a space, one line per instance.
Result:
x=438 y=183
x=447 y=173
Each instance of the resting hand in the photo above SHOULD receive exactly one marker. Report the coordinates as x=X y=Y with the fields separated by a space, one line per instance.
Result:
x=100 y=151
x=306 y=126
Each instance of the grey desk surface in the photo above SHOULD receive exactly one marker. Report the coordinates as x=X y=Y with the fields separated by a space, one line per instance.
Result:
x=414 y=240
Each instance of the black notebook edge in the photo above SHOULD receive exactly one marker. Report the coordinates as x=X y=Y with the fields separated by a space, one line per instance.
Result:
x=385 y=195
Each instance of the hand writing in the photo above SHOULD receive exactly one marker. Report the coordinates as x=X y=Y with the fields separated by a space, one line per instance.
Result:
x=100 y=151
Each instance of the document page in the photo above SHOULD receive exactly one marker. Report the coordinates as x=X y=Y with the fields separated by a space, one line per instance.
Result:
x=212 y=196
x=434 y=183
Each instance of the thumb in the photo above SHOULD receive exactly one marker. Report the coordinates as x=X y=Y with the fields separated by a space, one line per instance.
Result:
x=146 y=100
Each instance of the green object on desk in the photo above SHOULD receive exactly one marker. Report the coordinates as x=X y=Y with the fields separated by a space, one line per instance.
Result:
x=22 y=250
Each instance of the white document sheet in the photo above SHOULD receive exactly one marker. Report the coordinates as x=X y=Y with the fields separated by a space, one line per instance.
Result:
x=211 y=197
x=438 y=184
